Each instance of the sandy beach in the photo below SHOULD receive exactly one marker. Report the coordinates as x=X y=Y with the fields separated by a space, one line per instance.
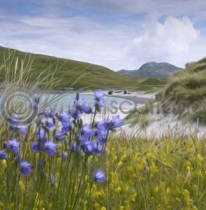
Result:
x=160 y=125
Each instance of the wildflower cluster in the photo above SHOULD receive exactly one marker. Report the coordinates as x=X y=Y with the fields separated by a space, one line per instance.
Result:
x=61 y=136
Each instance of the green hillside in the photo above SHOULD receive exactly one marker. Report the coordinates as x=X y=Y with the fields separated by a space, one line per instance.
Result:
x=153 y=81
x=186 y=90
x=68 y=73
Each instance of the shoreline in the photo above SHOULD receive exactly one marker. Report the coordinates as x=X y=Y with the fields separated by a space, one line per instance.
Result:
x=136 y=97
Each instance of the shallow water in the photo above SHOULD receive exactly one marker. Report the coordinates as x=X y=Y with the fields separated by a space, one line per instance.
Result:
x=65 y=101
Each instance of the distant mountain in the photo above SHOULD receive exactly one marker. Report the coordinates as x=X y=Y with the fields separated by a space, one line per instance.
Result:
x=151 y=70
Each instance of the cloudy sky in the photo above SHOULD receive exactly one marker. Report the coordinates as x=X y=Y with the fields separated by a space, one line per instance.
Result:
x=118 y=34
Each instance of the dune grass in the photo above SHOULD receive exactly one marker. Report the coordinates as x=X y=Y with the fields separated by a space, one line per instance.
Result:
x=140 y=115
x=189 y=84
x=186 y=90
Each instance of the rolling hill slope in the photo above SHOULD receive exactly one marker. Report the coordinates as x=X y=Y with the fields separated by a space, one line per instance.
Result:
x=71 y=73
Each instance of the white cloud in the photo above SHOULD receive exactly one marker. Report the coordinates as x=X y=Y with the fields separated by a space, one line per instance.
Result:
x=169 y=41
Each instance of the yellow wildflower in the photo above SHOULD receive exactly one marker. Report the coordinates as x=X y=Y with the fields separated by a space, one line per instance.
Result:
x=3 y=165
x=118 y=189
x=133 y=197
x=21 y=186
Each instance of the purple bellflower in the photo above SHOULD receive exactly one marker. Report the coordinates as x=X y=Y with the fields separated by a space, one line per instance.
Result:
x=86 y=108
x=64 y=117
x=74 y=113
x=25 y=168
x=88 y=147
x=48 y=112
x=50 y=148
x=51 y=179
x=60 y=136
x=98 y=95
x=99 y=176
x=50 y=123
x=115 y=122
x=87 y=131
x=13 y=146
x=3 y=155
x=41 y=134
x=101 y=135
x=65 y=120
x=110 y=124
x=22 y=129
x=82 y=106
x=99 y=99
x=36 y=146
x=98 y=148
x=66 y=128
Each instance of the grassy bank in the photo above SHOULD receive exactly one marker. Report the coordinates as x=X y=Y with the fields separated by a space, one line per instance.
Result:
x=188 y=85
x=69 y=73
x=185 y=92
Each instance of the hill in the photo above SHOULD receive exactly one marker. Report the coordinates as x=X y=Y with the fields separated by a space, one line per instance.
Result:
x=69 y=73
x=151 y=70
